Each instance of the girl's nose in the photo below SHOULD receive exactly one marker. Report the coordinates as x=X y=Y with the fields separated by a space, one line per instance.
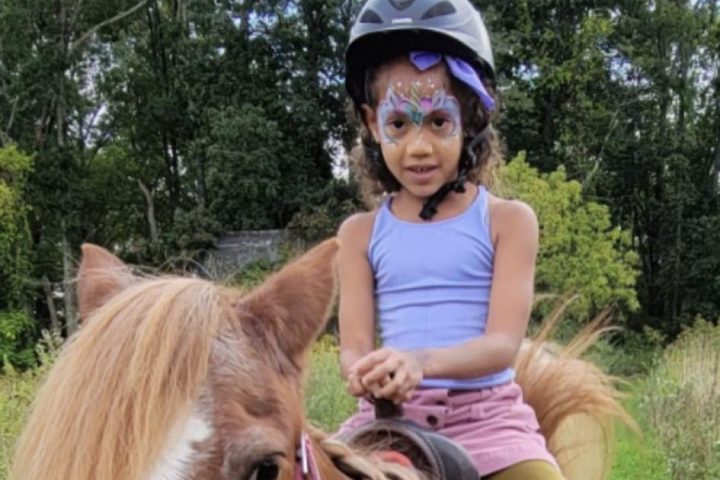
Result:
x=420 y=146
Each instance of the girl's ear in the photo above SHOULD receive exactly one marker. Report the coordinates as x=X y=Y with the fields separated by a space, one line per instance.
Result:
x=370 y=118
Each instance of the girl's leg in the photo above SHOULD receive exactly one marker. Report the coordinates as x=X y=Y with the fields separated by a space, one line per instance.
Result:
x=529 y=470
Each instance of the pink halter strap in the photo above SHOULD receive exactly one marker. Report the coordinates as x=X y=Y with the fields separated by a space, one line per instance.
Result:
x=306 y=466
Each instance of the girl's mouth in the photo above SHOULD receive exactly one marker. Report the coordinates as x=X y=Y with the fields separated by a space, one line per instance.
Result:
x=422 y=174
x=422 y=169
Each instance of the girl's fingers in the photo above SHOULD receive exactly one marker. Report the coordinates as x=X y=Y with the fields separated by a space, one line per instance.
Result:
x=355 y=387
x=394 y=386
x=382 y=370
x=369 y=361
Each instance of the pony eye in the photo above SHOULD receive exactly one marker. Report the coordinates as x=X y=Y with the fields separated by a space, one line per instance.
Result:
x=266 y=470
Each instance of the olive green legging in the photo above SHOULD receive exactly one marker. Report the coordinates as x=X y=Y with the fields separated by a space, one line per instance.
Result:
x=530 y=470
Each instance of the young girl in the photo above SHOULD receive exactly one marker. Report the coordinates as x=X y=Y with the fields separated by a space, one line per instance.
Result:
x=444 y=266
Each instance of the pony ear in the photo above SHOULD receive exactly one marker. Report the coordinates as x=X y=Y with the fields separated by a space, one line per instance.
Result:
x=101 y=275
x=291 y=307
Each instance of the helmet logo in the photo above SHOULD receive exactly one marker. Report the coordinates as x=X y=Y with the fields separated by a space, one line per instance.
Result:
x=401 y=4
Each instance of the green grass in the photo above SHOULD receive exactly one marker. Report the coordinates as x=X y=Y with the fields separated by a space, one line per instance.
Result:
x=638 y=457
x=326 y=402
x=16 y=393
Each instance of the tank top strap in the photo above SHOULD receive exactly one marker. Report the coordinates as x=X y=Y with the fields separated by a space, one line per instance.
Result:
x=482 y=209
x=380 y=224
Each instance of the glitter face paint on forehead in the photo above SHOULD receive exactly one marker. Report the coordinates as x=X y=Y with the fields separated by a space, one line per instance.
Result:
x=416 y=108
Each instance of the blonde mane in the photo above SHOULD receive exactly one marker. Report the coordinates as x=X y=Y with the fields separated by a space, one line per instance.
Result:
x=122 y=383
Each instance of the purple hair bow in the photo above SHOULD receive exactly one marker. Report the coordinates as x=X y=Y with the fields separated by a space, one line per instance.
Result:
x=460 y=69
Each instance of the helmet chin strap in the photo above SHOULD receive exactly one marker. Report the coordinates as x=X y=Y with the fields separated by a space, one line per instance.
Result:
x=430 y=206
x=467 y=163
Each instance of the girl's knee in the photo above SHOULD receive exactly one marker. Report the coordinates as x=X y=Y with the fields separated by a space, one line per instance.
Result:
x=529 y=470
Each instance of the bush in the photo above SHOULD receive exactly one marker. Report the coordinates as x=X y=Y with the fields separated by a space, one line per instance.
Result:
x=681 y=401
x=15 y=338
x=581 y=252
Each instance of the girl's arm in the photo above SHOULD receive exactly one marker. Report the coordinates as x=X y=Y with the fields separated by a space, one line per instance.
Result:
x=357 y=308
x=511 y=298
x=515 y=232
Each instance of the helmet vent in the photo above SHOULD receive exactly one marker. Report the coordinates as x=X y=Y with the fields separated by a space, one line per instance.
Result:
x=401 y=4
x=370 y=16
x=438 y=10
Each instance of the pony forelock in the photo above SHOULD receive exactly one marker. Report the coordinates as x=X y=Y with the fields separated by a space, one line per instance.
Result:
x=150 y=348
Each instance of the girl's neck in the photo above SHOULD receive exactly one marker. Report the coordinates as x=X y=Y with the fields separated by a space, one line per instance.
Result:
x=406 y=206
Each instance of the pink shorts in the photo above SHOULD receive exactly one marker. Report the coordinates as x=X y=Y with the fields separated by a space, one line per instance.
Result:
x=496 y=427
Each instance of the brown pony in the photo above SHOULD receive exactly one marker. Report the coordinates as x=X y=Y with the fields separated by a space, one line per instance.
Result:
x=177 y=378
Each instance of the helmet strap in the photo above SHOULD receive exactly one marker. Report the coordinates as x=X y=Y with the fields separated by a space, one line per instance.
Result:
x=468 y=161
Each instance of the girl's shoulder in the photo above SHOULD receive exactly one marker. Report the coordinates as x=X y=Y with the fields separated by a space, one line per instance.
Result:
x=509 y=217
x=355 y=231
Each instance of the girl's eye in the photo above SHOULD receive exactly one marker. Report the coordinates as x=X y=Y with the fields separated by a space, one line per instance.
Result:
x=440 y=122
x=397 y=124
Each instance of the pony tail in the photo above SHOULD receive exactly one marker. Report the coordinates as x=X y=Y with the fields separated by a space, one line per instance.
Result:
x=575 y=402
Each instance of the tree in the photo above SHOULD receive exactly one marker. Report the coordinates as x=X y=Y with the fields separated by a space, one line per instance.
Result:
x=15 y=267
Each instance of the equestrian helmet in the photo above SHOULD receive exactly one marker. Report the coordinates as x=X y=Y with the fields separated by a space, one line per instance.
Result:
x=385 y=29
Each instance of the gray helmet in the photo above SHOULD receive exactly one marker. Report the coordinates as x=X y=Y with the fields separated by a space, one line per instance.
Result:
x=387 y=28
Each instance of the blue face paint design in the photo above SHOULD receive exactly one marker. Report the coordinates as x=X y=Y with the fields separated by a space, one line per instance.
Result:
x=397 y=114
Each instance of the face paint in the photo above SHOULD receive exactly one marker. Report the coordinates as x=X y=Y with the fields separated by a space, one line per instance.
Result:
x=397 y=114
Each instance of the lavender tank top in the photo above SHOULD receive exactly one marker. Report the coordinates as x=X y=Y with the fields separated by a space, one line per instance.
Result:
x=432 y=283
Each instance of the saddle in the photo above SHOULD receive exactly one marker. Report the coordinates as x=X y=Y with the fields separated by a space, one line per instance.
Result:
x=429 y=452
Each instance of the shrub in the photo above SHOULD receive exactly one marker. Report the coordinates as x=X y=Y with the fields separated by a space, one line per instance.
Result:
x=581 y=252
x=15 y=339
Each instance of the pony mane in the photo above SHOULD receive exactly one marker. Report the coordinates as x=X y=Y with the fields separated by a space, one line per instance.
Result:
x=122 y=383
x=362 y=462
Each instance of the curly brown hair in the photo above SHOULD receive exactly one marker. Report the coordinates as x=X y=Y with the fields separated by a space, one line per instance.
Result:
x=368 y=165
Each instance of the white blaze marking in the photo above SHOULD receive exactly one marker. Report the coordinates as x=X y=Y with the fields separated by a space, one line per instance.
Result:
x=179 y=451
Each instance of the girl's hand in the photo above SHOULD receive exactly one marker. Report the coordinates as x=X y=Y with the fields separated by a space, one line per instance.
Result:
x=354 y=385
x=387 y=373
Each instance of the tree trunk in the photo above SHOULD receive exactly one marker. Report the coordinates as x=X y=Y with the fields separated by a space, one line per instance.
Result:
x=71 y=320
x=52 y=310
x=154 y=236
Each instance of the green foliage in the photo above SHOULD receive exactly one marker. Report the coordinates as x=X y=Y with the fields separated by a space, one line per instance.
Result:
x=638 y=457
x=15 y=338
x=253 y=274
x=16 y=326
x=196 y=230
x=326 y=401
x=175 y=122
x=681 y=400
x=245 y=163
x=17 y=391
x=14 y=235
x=629 y=354
x=580 y=251
x=321 y=217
